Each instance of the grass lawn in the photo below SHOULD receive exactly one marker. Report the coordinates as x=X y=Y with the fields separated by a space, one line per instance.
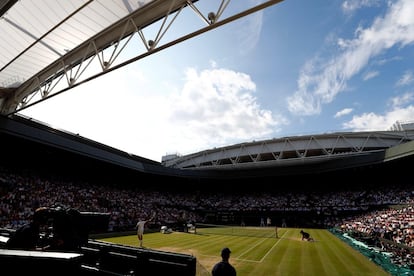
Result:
x=256 y=251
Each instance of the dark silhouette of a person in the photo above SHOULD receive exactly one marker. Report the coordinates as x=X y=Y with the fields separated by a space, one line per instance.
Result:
x=27 y=237
x=224 y=268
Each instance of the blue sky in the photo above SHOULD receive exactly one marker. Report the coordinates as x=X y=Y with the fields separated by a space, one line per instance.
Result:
x=295 y=68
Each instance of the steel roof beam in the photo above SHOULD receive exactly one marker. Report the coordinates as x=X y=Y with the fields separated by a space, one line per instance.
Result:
x=44 y=82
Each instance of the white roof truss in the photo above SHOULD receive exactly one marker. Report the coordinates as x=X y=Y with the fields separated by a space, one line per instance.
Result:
x=49 y=46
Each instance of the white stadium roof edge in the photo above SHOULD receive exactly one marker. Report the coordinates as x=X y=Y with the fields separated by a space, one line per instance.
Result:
x=359 y=148
x=49 y=47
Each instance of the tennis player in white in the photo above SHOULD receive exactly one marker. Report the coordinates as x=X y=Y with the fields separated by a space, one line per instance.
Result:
x=140 y=229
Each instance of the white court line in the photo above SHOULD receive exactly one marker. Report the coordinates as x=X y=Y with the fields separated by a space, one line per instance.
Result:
x=278 y=240
x=251 y=248
x=265 y=255
x=248 y=260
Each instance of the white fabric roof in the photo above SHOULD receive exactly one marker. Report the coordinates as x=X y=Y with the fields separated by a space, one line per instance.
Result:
x=43 y=40
x=36 y=33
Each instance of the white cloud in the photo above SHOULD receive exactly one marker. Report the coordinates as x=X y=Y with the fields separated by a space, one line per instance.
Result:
x=320 y=81
x=401 y=110
x=406 y=79
x=372 y=121
x=343 y=112
x=249 y=29
x=216 y=107
x=402 y=100
x=350 y=6
x=368 y=122
x=370 y=75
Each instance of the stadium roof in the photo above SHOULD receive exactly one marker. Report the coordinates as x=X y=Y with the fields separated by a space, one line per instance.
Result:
x=357 y=147
x=48 y=46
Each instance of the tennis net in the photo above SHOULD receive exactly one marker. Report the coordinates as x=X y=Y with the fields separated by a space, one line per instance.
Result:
x=215 y=229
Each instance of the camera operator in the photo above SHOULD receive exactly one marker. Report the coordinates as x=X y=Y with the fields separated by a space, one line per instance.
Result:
x=68 y=233
x=65 y=232
x=27 y=237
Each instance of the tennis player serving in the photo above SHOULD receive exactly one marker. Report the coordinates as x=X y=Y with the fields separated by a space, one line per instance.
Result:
x=140 y=228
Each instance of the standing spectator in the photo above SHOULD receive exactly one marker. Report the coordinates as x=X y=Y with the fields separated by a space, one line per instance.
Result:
x=224 y=268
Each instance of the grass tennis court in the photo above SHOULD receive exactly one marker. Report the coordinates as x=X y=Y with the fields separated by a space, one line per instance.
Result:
x=256 y=251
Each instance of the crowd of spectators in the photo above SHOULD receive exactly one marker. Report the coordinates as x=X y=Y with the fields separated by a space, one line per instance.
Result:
x=396 y=225
x=389 y=230
x=22 y=192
